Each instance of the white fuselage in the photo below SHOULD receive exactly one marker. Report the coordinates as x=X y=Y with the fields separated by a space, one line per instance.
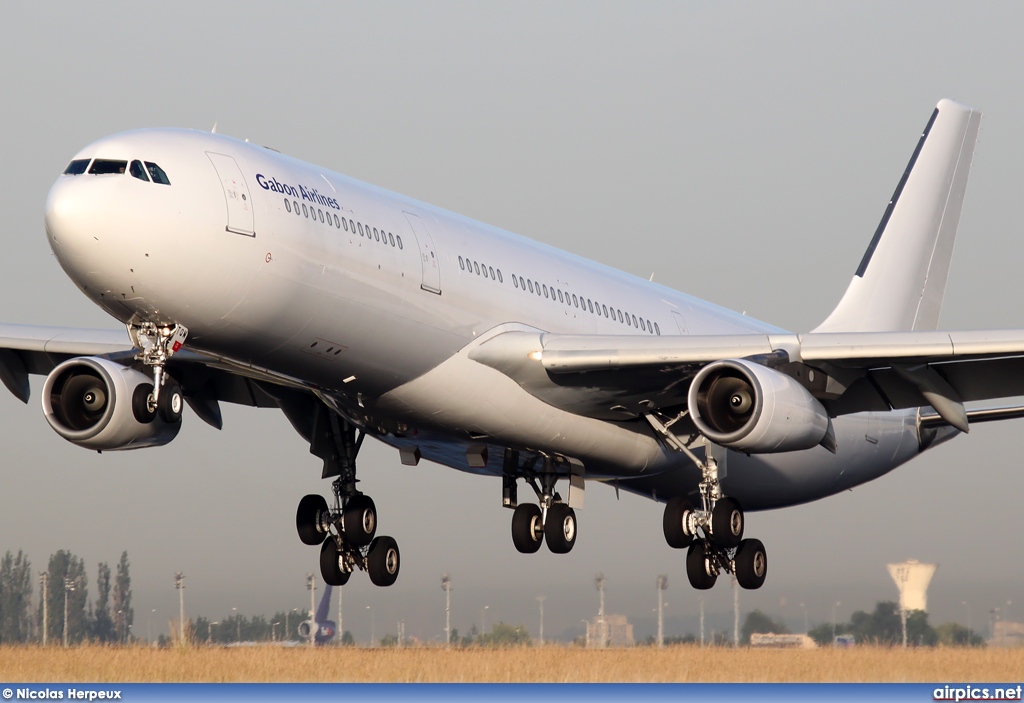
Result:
x=374 y=301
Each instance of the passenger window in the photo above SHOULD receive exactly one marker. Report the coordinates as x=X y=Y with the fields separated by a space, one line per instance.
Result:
x=491 y=270
x=360 y=224
x=536 y=288
x=399 y=240
x=287 y=203
x=376 y=234
x=521 y=283
x=634 y=321
x=157 y=174
x=620 y=315
x=462 y=264
x=545 y=291
x=560 y=296
x=604 y=309
x=529 y=283
x=352 y=228
x=104 y=167
x=337 y=222
x=500 y=280
x=575 y=301
x=139 y=171
x=305 y=212
x=514 y=281
x=391 y=239
x=344 y=223
x=320 y=213
x=643 y=325
x=295 y=206
x=657 y=329
x=76 y=167
x=476 y=268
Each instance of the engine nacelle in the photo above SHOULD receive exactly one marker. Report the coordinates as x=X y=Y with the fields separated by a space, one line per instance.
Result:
x=100 y=404
x=751 y=408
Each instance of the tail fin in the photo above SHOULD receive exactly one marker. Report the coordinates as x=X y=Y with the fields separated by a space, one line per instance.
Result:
x=323 y=611
x=901 y=280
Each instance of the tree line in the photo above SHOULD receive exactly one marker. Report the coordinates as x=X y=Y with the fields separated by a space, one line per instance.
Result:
x=108 y=618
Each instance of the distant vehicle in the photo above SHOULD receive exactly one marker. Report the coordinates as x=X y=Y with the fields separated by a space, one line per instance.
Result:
x=246 y=276
x=321 y=627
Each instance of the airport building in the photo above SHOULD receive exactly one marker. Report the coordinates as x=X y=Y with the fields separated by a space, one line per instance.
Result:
x=609 y=631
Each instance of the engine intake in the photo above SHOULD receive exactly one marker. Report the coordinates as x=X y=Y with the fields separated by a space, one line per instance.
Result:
x=100 y=404
x=751 y=408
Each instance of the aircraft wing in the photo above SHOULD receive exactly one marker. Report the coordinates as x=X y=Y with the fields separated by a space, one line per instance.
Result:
x=849 y=372
x=32 y=349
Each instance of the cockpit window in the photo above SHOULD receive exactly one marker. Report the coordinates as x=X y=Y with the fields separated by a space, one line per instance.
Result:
x=107 y=166
x=157 y=174
x=138 y=171
x=76 y=167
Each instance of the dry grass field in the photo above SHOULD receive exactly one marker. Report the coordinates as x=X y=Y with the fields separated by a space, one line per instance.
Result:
x=550 y=664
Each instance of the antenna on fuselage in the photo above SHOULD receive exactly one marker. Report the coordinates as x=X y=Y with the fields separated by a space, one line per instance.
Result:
x=214 y=130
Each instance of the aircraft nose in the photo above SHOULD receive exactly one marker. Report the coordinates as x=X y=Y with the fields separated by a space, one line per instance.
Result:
x=65 y=214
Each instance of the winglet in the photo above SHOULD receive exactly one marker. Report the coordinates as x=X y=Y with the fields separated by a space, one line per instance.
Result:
x=901 y=279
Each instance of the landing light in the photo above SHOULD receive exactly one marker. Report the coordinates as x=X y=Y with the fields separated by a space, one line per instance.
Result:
x=536 y=356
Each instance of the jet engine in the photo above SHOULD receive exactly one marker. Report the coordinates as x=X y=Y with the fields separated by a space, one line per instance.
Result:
x=100 y=404
x=751 y=408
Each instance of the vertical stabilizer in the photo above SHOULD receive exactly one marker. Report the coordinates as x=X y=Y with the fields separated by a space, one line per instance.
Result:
x=901 y=280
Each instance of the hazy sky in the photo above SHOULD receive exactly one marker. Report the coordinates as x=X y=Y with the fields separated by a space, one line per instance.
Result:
x=741 y=152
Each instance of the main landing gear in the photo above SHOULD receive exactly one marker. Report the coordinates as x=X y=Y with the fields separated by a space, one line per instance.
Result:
x=713 y=535
x=552 y=520
x=347 y=529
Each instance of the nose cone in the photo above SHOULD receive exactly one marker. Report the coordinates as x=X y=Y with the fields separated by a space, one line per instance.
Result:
x=69 y=216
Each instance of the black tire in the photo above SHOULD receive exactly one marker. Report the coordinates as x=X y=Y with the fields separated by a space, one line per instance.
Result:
x=677 y=513
x=527 y=528
x=727 y=523
x=308 y=519
x=383 y=561
x=560 y=528
x=140 y=403
x=330 y=569
x=171 y=402
x=360 y=520
x=697 y=567
x=751 y=562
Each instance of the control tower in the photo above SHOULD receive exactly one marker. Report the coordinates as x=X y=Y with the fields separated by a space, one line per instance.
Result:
x=912 y=579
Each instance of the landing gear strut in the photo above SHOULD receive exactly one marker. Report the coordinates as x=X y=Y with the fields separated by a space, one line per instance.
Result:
x=712 y=534
x=347 y=529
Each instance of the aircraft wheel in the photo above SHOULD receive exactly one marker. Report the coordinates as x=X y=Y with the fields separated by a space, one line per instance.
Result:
x=727 y=523
x=360 y=520
x=383 y=561
x=171 y=402
x=140 y=403
x=751 y=562
x=560 y=529
x=308 y=519
x=699 y=567
x=674 y=524
x=527 y=529
x=330 y=565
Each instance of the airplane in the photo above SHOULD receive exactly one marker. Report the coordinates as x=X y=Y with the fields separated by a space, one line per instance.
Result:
x=245 y=276
x=320 y=627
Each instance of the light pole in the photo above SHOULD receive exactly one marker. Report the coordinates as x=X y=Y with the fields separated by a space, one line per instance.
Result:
x=483 y=620
x=602 y=633
x=238 y=624
x=311 y=585
x=149 y=625
x=834 y=622
x=179 y=583
x=735 y=612
x=373 y=627
x=446 y=586
x=69 y=586
x=661 y=583
x=540 y=599
x=701 y=622
x=44 y=580
x=273 y=631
